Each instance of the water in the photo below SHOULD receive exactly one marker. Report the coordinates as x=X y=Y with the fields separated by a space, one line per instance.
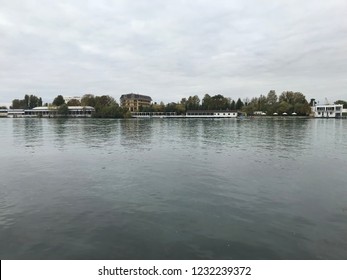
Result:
x=173 y=189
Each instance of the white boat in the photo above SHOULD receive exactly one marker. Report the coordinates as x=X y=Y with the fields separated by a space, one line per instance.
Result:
x=275 y=114
x=284 y=114
x=294 y=114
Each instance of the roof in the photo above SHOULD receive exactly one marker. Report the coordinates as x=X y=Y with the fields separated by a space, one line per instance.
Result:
x=135 y=96
x=212 y=111
x=45 y=108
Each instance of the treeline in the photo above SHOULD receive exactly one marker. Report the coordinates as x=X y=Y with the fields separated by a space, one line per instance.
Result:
x=288 y=102
x=216 y=102
x=105 y=106
x=29 y=102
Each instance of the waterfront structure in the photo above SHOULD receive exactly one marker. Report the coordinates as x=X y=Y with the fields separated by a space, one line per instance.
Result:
x=189 y=114
x=328 y=111
x=155 y=115
x=49 y=112
x=211 y=114
x=259 y=113
x=3 y=112
x=134 y=101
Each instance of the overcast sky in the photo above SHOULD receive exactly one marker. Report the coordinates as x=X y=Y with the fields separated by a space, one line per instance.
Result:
x=173 y=49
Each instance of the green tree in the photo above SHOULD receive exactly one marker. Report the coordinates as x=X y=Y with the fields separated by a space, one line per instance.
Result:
x=233 y=105
x=18 y=104
x=193 y=103
x=63 y=110
x=58 y=101
x=239 y=104
x=73 y=102
x=296 y=101
x=285 y=107
x=206 y=102
x=271 y=98
x=341 y=102
x=88 y=100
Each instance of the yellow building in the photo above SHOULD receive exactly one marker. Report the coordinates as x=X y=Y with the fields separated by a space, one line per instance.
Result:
x=134 y=101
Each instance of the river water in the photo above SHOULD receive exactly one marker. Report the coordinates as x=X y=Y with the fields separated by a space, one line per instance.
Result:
x=267 y=188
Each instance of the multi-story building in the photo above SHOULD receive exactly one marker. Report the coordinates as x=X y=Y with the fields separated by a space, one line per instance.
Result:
x=134 y=101
x=328 y=111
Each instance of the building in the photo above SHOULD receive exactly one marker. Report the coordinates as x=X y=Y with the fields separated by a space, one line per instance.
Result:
x=134 y=101
x=3 y=112
x=211 y=114
x=50 y=112
x=328 y=111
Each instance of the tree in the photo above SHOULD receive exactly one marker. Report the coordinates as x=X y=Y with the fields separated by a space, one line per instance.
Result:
x=233 y=105
x=73 y=102
x=88 y=100
x=296 y=101
x=219 y=102
x=285 y=107
x=18 y=104
x=271 y=98
x=342 y=102
x=206 y=102
x=239 y=104
x=58 y=101
x=63 y=110
x=193 y=103
x=28 y=102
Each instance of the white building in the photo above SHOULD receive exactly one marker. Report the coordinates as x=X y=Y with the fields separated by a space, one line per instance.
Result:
x=327 y=111
x=49 y=112
x=211 y=114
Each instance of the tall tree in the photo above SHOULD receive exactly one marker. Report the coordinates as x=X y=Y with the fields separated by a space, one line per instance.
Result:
x=239 y=104
x=297 y=103
x=342 y=102
x=73 y=102
x=58 y=101
x=271 y=98
x=193 y=102
x=88 y=100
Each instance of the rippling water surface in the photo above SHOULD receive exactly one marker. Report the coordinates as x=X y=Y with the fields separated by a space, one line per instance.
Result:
x=173 y=189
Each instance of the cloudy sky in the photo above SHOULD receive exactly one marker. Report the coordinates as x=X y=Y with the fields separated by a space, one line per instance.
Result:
x=173 y=49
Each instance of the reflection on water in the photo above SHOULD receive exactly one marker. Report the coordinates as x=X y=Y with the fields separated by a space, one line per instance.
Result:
x=173 y=189
x=136 y=134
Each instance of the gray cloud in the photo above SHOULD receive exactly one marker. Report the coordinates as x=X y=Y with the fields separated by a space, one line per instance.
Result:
x=172 y=49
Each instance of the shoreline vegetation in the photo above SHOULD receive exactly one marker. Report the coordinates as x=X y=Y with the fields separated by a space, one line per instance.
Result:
x=287 y=103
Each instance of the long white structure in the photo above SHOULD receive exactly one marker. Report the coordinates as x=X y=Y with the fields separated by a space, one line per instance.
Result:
x=48 y=112
x=211 y=114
